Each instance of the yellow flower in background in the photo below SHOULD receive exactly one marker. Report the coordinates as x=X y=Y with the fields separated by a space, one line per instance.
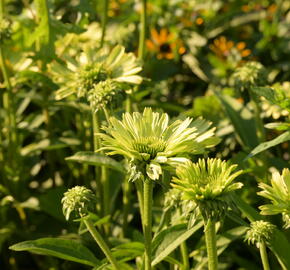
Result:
x=224 y=48
x=164 y=44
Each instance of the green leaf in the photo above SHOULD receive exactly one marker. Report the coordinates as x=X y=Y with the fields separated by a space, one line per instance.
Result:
x=61 y=248
x=169 y=239
x=47 y=144
x=128 y=251
x=95 y=159
x=266 y=145
x=246 y=209
x=280 y=246
x=278 y=126
x=242 y=120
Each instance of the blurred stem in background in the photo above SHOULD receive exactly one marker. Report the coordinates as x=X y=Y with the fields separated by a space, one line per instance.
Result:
x=13 y=154
x=101 y=173
x=143 y=30
x=104 y=21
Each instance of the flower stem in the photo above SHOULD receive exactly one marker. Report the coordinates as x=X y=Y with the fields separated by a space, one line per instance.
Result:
x=126 y=205
x=147 y=221
x=96 y=146
x=143 y=30
x=184 y=254
x=104 y=21
x=264 y=256
x=102 y=244
x=210 y=240
x=9 y=106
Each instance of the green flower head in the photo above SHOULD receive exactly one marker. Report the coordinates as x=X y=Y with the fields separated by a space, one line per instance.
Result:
x=249 y=75
x=207 y=182
x=148 y=140
x=79 y=200
x=5 y=30
x=279 y=194
x=259 y=231
x=83 y=76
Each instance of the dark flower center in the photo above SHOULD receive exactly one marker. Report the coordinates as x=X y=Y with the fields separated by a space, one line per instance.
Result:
x=165 y=48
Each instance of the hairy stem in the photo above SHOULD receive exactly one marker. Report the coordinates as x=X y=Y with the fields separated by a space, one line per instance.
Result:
x=210 y=240
x=102 y=244
x=264 y=256
x=147 y=221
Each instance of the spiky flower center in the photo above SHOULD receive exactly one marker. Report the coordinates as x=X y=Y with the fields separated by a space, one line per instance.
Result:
x=89 y=76
x=149 y=145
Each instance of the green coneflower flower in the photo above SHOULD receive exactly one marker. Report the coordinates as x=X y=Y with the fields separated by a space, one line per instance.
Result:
x=82 y=76
x=279 y=194
x=79 y=200
x=207 y=182
x=148 y=140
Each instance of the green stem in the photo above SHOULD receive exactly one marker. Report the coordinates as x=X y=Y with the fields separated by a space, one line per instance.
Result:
x=264 y=256
x=210 y=240
x=184 y=254
x=104 y=21
x=96 y=146
x=143 y=30
x=107 y=115
x=147 y=221
x=126 y=205
x=184 y=251
x=9 y=106
x=102 y=244
x=139 y=189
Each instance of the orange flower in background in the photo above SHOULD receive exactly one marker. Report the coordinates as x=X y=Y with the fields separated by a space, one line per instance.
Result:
x=115 y=7
x=164 y=44
x=223 y=48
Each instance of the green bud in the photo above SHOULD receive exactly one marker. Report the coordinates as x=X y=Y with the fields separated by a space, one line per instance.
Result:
x=249 y=75
x=105 y=92
x=79 y=200
x=5 y=30
x=260 y=231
